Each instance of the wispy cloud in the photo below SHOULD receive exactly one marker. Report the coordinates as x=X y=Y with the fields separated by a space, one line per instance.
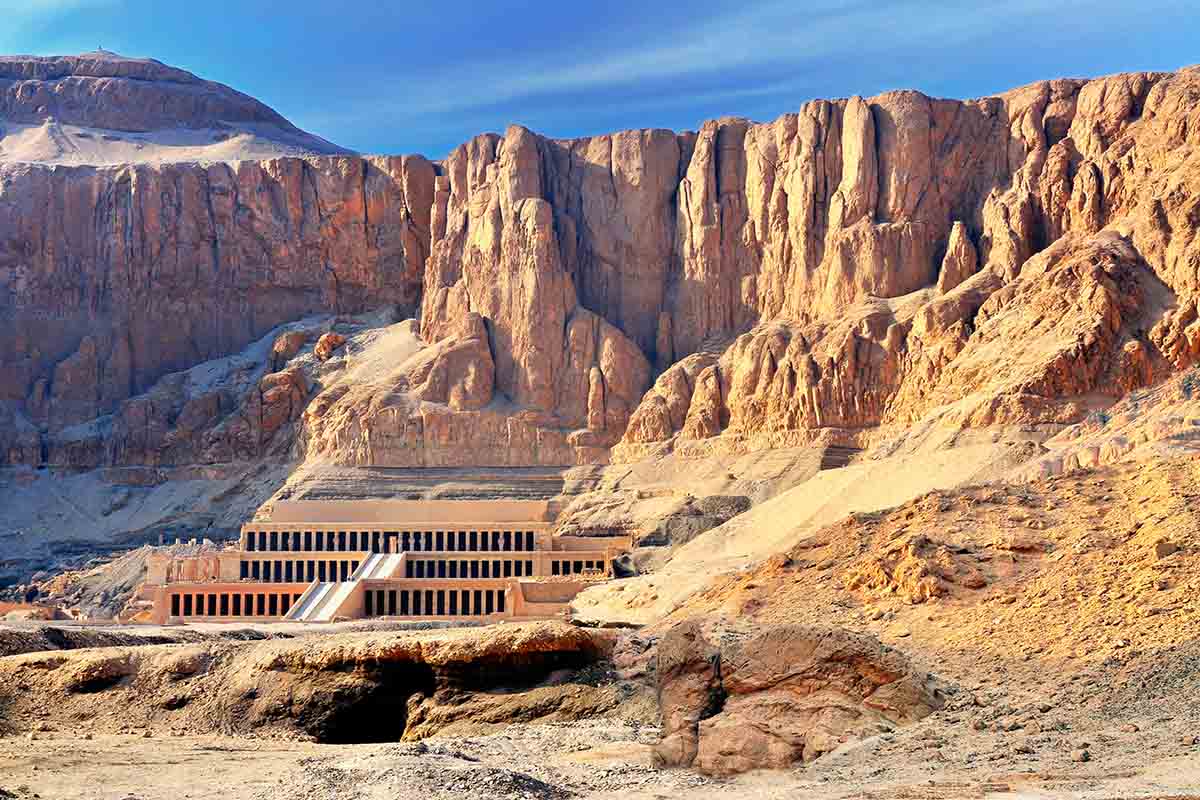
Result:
x=772 y=34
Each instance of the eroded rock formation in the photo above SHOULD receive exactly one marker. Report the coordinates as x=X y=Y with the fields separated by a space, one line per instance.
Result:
x=1076 y=172
x=352 y=688
x=733 y=701
x=104 y=90
x=859 y=263
x=115 y=277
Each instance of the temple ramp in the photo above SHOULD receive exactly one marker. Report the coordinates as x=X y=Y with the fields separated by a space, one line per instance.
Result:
x=326 y=601
x=316 y=594
x=379 y=566
x=338 y=602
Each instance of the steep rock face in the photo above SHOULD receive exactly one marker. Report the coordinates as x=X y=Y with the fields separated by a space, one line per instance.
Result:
x=497 y=252
x=1097 y=178
x=238 y=408
x=676 y=239
x=112 y=278
x=861 y=262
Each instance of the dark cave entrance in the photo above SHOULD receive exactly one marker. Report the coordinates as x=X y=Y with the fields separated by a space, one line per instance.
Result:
x=372 y=711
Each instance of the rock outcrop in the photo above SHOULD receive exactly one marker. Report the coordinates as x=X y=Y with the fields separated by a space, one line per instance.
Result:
x=115 y=277
x=733 y=701
x=353 y=687
x=860 y=263
x=105 y=90
x=1051 y=217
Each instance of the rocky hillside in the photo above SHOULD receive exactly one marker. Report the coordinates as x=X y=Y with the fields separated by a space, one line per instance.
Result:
x=105 y=90
x=854 y=264
x=858 y=269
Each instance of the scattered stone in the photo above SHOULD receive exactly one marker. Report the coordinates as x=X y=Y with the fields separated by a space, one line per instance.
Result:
x=1164 y=548
x=1081 y=755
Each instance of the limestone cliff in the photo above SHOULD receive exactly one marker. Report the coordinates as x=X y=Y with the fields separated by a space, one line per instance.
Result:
x=857 y=264
x=114 y=277
x=1013 y=259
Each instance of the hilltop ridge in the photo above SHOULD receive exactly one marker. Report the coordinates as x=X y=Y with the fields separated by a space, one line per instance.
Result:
x=101 y=108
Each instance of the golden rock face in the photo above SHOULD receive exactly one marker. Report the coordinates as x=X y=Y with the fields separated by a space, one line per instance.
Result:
x=855 y=264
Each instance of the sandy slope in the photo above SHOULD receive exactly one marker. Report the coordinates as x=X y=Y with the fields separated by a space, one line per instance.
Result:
x=75 y=145
x=779 y=523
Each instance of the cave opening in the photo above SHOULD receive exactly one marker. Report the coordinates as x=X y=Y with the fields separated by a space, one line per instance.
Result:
x=373 y=706
x=372 y=709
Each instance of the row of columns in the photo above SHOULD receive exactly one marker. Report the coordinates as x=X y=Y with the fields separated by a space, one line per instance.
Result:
x=434 y=602
x=231 y=604
x=467 y=569
x=575 y=567
x=298 y=571
x=389 y=541
x=295 y=571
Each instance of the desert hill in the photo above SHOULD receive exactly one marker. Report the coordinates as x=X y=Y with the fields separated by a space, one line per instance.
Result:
x=101 y=108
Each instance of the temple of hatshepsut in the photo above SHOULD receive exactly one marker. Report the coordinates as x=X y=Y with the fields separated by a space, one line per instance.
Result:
x=319 y=561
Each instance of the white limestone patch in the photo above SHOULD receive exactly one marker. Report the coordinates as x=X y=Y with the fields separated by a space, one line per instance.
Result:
x=76 y=145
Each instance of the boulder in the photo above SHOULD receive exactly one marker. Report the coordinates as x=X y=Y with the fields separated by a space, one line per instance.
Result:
x=328 y=344
x=734 y=700
x=285 y=347
x=689 y=690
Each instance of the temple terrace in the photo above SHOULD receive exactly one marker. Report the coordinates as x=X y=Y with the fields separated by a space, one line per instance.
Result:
x=319 y=561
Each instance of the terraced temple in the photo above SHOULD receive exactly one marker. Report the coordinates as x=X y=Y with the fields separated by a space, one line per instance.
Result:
x=316 y=561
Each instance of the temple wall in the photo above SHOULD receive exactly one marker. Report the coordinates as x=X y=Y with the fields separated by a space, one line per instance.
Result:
x=399 y=512
x=427 y=560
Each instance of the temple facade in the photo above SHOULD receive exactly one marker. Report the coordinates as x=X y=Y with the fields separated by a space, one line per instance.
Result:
x=319 y=561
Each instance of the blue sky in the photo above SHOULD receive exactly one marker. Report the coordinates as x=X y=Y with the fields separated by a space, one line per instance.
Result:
x=415 y=76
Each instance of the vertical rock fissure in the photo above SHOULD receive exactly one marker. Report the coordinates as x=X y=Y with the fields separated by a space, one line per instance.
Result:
x=215 y=245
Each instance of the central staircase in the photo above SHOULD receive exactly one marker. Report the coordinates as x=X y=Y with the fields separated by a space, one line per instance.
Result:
x=323 y=600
